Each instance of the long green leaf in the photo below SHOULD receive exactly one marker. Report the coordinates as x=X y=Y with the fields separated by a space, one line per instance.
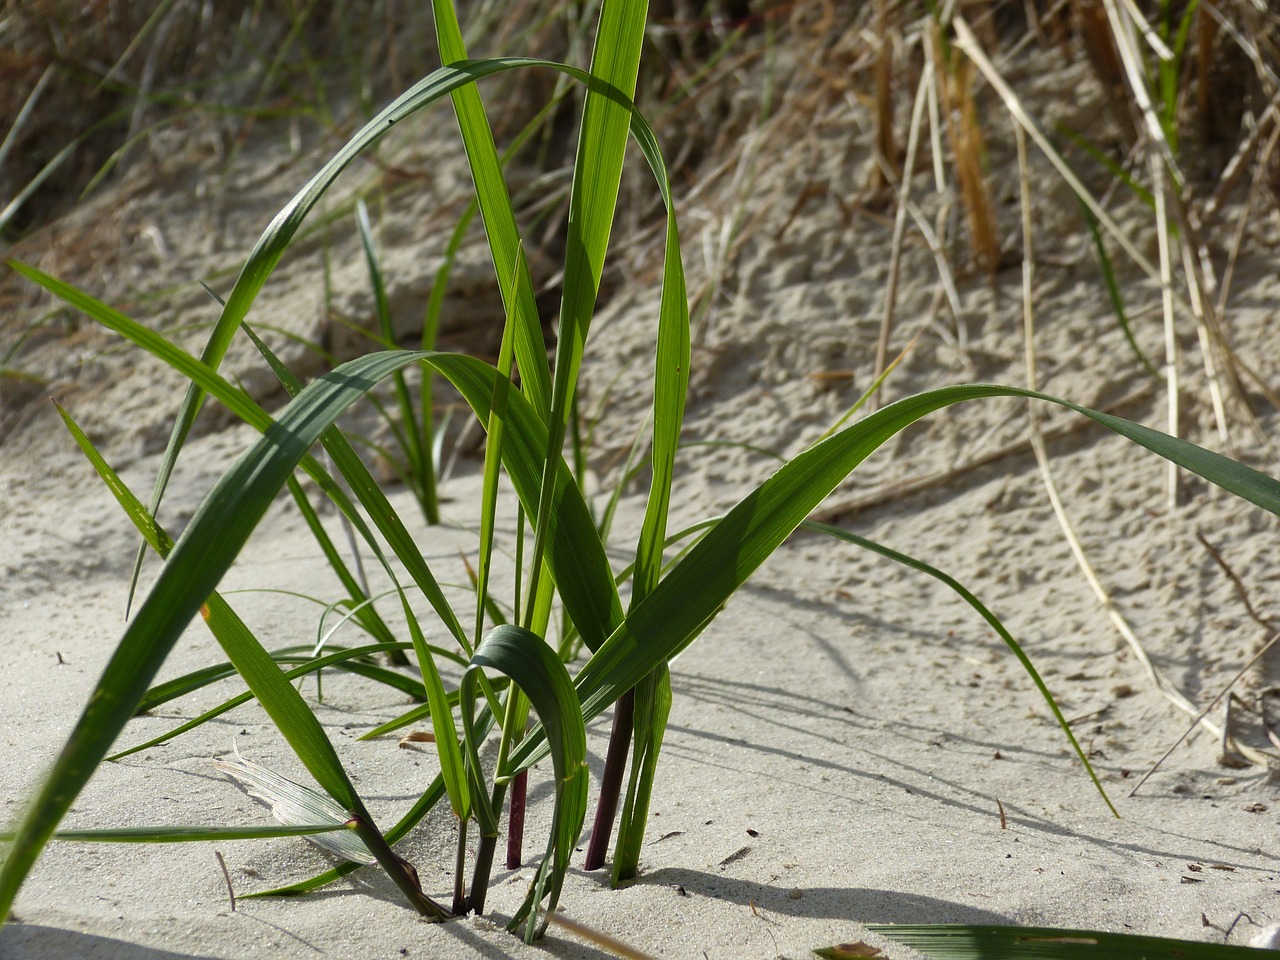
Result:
x=947 y=942
x=987 y=615
x=187 y=833
x=597 y=173
x=709 y=574
x=206 y=549
x=499 y=218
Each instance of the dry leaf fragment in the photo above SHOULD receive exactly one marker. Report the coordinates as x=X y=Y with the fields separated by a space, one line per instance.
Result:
x=416 y=736
x=847 y=951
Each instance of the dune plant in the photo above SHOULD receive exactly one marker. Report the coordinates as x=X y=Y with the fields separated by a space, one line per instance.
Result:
x=510 y=668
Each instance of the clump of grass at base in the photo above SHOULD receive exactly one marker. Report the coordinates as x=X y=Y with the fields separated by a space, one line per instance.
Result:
x=565 y=563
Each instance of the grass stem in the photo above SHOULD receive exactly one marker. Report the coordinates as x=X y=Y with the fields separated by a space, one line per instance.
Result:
x=615 y=766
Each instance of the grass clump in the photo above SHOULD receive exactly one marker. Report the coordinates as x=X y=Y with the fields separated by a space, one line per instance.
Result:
x=526 y=403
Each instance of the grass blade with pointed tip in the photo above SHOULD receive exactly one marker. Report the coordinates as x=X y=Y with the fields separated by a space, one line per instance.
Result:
x=499 y=218
x=708 y=575
x=987 y=615
x=597 y=174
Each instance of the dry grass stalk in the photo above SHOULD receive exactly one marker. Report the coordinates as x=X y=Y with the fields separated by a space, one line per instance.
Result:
x=955 y=85
x=1090 y=23
x=882 y=78
x=1166 y=308
x=592 y=935
x=899 y=225
x=1036 y=437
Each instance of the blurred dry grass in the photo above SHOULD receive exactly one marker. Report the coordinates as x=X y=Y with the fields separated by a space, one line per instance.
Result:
x=750 y=99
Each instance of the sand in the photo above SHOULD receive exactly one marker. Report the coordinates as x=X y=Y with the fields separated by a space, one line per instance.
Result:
x=849 y=744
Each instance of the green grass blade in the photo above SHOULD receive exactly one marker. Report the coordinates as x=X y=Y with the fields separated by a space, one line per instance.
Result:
x=418 y=458
x=207 y=548
x=534 y=667
x=712 y=570
x=597 y=174
x=987 y=615
x=499 y=218
x=649 y=721
x=1114 y=293
x=451 y=764
x=671 y=384
x=948 y=942
x=493 y=447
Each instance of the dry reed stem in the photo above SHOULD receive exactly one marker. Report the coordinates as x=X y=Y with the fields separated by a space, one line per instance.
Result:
x=935 y=123
x=899 y=226
x=1122 y=32
x=1042 y=459
x=1166 y=308
x=591 y=935
x=966 y=41
x=955 y=84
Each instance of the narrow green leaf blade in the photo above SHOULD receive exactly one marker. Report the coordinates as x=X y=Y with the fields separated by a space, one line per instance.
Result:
x=947 y=942
x=499 y=218
x=994 y=622
x=207 y=548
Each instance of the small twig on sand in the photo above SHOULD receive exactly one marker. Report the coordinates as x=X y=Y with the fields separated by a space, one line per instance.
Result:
x=603 y=940
x=227 y=877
